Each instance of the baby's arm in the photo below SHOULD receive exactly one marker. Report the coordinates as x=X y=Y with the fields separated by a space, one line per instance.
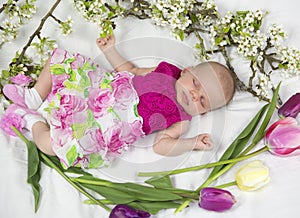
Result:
x=168 y=142
x=119 y=63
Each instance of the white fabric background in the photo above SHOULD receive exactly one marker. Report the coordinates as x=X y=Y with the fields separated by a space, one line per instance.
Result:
x=146 y=45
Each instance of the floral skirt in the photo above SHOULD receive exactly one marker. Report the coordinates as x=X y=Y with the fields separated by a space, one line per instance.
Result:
x=92 y=112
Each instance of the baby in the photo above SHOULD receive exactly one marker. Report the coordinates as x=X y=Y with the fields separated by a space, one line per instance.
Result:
x=94 y=114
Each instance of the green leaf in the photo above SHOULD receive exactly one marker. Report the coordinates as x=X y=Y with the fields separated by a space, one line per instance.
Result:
x=194 y=18
x=116 y=196
x=181 y=34
x=56 y=161
x=258 y=136
x=160 y=182
x=153 y=207
x=261 y=131
x=34 y=172
x=241 y=140
x=137 y=191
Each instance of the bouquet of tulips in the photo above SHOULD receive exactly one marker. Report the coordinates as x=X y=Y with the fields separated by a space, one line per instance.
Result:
x=133 y=200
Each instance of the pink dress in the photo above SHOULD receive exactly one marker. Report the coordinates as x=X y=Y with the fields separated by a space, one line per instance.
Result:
x=158 y=105
x=92 y=112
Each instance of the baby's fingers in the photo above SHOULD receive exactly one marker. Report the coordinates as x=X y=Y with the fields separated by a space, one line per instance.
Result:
x=204 y=142
x=101 y=41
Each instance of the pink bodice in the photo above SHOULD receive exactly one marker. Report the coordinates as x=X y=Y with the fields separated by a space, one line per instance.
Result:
x=158 y=105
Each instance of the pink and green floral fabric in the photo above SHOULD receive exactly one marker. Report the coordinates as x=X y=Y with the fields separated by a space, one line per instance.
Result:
x=92 y=112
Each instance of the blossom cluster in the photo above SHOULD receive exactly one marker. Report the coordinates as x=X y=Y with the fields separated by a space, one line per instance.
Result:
x=66 y=26
x=207 y=19
x=172 y=13
x=97 y=12
x=17 y=15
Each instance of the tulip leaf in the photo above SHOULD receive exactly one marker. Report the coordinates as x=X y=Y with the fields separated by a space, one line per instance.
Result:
x=261 y=131
x=137 y=191
x=34 y=171
x=146 y=193
x=116 y=196
x=160 y=182
x=241 y=140
x=153 y=207
x=75 y=170
x=234 y=150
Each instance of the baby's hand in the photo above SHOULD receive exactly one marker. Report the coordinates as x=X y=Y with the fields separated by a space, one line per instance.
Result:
x=105 y=43
x=203 y=142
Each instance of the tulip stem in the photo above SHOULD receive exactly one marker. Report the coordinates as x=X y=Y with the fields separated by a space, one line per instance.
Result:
x=204 y=166
x=74 y=184
x=53 y=165
x=226 y=185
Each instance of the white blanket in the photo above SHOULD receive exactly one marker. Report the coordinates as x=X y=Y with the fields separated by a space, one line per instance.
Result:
x=146 y=45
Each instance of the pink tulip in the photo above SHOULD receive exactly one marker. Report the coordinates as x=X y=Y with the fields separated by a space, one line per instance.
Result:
x=21 y=80
x=291 y=107
x=9 y=120
x=283 y=137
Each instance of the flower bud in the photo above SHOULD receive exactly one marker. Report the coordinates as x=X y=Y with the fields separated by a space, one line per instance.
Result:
x=125 y=211
x=283 y=137
x=252 y=176
x=216 y=199
x=291 y=107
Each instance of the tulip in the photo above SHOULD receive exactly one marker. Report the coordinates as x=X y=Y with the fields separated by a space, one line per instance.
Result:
x=125 y=211
x=283 y=137
x=21 y=80
x=216 y=199
x=291 y=107
x=9 y=120
x=252 y=176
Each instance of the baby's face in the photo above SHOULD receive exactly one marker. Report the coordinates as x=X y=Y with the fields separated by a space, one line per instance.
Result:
x=199 y=92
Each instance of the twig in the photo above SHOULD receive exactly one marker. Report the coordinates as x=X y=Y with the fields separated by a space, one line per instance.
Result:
x=3 y=7
x=55 y=18
x=250 y=83
x=37 y=31
x=240 y=85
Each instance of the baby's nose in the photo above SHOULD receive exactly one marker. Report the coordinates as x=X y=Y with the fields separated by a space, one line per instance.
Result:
x=194 y=95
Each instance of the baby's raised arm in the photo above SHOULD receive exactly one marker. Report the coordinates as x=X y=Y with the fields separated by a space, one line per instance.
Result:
x=118 y=62
x=168 y=142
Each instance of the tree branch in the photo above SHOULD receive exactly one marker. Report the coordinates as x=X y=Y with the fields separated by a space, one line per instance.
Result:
x=3 y=7
x=37 y=31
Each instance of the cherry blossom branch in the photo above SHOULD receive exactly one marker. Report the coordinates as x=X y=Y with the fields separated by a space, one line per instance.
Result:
x=37 y=31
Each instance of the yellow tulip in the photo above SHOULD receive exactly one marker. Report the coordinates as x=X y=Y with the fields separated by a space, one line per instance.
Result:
x=252 y=176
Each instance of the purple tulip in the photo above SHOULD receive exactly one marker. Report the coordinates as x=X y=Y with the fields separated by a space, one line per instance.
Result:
x=125 y=211
x=291 y=107
x=215 y=199
x=283 y=137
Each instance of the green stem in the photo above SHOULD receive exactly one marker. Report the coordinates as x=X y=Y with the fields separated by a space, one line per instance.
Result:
x=74 y=184
x=226 y=185
x=209 y=165
x=182 y=206
x=21 y=136
x=181 y=192
x=92 y=182
x=53 y=165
